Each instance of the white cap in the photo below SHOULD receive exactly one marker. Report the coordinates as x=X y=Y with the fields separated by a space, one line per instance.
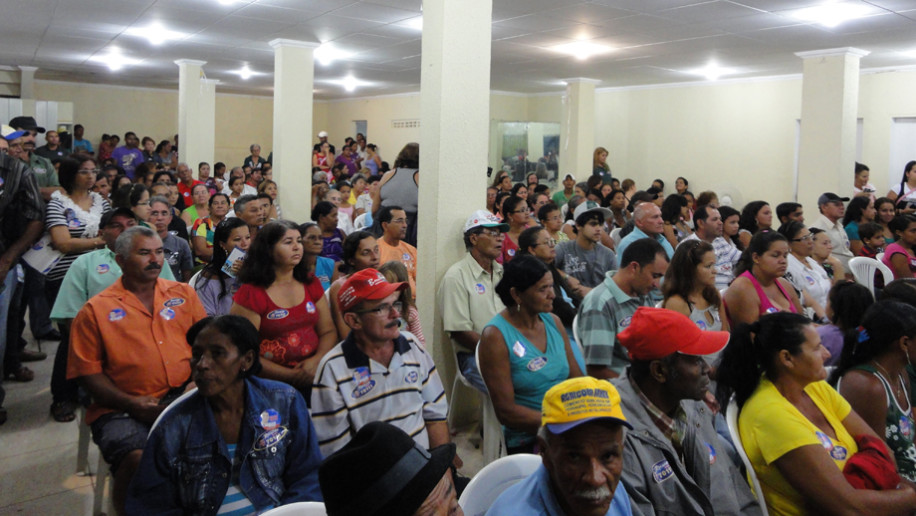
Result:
x=485 y=219
x=590 y=206
x=323 y=134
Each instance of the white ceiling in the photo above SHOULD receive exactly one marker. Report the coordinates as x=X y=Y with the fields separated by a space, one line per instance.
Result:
x=654 y=41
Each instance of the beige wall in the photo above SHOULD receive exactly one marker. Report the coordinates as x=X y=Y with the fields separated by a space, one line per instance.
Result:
x=883 y=97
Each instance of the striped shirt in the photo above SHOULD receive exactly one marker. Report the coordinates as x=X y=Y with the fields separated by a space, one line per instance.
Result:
x=235 y=502
x=77 y=221
x=727 y=257
x=352 y=390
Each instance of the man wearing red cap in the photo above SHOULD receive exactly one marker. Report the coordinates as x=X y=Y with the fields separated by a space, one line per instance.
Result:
x=378 y=373
x=673 y=455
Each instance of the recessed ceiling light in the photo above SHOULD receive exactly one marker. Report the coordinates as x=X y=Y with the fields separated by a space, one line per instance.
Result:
x=114 y=60
x=327 y=54
x=833 y=13
x=712 y=71
x=415 y=23
x=246 y=73
x=581 y=50
x=350 y=83
x=155 y=33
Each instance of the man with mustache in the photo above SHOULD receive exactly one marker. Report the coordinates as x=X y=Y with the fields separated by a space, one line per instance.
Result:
x=581 y=445
x=378 y=373
x=128 y=349
x=673 y=455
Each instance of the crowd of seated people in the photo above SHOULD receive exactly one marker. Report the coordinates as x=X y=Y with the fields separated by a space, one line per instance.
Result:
x=304 y=344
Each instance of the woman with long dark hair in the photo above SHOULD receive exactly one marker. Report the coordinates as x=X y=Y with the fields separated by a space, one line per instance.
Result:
x=400 y=187
x=214 y=286
x=859 y=211
x=690 y=286
x=325 y=214
x=900 y=256
x=759 y=287
x=755 y=216
x=286 y=303
x=846 y=305
x=905 y=195
x=797 y=431
x=517 y=214
x=674 y=213
x=874 y=362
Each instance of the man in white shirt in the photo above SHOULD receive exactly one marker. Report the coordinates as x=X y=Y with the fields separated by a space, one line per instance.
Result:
x=830 y=220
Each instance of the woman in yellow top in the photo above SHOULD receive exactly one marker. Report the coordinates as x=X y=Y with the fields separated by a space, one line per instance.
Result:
x=797 y=431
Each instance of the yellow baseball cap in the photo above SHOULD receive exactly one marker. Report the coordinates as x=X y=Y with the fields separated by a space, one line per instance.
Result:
x=578 y=400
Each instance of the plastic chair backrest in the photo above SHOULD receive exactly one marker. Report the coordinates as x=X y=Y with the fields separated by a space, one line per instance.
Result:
x=495 y=478
x=298 y=509
x=863 y=269
x=615 y=235
x=171 y=406
x=494 y=441
x=360 y=221
x=731 y=417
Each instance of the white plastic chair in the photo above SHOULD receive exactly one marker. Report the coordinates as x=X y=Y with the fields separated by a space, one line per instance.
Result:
x=495 y=478
x=576 y=336
x=298 y=509
x=494 y=442
x=460 y=382
x=731 y=418
x=615 y=236
x=100 y=503
x=359 y=222
x=863 y=268
x=171 y=406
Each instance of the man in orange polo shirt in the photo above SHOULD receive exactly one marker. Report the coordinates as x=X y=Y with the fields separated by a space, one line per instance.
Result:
x=128 y=349
x=392 y=247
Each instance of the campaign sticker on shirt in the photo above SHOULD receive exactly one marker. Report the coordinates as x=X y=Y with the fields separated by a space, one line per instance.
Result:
x=510 y=252
x=364 y=382
x=824 y=439
x=625 y=322
x=271 y=438
x=809 y=279
x=518 y=349
x=536 y=364
x=701 y=325
x=175 y=301
x=269 y=419
x=167 y=313
x=310 y=307
x=712 y=454
x=412 y=377
x=102 y=268
x=480 y=288
x=405 y=257
x=838 y=453
x=73 y=222
x=906 y=427
x=772 y=310
x=661 y=471
x=277 y=314
x=117 y=314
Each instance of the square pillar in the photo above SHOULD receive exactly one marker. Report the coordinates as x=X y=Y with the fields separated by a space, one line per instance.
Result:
x=577 y=128
x=294 y=78
x=830 y=104
x=454 y=143
x=196 y=113
x=27 y=82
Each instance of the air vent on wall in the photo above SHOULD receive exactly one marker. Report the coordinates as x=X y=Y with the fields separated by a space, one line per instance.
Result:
x=405 y=124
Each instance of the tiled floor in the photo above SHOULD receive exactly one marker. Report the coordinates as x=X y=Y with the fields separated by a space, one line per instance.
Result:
x=38 y=455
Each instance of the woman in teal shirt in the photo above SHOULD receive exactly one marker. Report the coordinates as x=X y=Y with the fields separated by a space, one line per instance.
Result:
x=524 y=351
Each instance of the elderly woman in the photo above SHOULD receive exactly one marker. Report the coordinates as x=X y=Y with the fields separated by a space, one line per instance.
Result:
x=239 y=445
x=797 y=431
x=286 y=303
x=202 y=232
x=524 y=351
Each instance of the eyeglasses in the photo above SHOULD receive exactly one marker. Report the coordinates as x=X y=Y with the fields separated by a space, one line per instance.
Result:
x=384 y=308
x=549 y=243
x=143 y=203
x=88 y=171
x=805 y=238
x=523 y=210
x=491 y=233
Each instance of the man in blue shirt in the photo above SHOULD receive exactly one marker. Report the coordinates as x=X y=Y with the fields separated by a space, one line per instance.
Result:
x=581 y=443
x=648 y=222
x=79 y=143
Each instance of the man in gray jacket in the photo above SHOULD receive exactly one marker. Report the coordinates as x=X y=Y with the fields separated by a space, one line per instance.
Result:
x=672 y=455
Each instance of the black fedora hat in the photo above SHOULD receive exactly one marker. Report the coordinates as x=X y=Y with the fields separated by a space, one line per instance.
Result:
x=381 y=471
x=26 y=122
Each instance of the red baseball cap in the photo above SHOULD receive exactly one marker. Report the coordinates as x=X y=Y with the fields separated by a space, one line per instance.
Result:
x=655 y=333
x=367 y=284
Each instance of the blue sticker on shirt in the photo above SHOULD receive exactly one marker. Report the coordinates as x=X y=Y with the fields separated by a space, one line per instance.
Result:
x=412 y=377
x=906 y=427
x=536 y=364
x=825 y=440
x=701 y=325
x=117 y=314
x=102 y=268
x=269 y=419
x=310 y=307
x=405 y=257
x=175 y=301
x=712 y=454
x=480 y=288
x=661 y=471
x=838 y=453
x=510 y=252
x=364 y=382
x=772 y=310
x=167 y=313
x=625 y=322
x=277 y=314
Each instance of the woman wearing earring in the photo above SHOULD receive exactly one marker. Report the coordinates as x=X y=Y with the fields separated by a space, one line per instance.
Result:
x=524 y=351
x=873 y=367
x=759 y=287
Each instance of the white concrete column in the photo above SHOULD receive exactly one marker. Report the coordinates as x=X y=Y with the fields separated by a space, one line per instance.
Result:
x=207 y=118
x=294 y=77
x=194 y=129
x=577 y=128
x=27 y=82
x=830 y=104
x=454 y=114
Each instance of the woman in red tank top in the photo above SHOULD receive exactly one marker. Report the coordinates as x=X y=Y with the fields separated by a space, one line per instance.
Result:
x=286 y=303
